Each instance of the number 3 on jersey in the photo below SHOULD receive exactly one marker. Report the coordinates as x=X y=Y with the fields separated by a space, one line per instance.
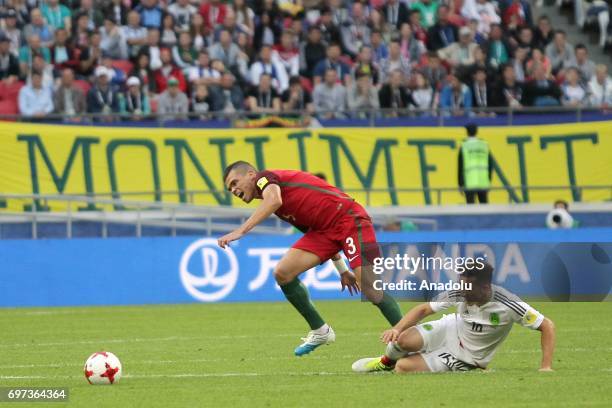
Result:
x=351 y=246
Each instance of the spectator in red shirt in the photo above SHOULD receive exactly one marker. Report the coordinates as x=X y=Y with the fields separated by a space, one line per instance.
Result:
x=167 y=70
x=213 y=12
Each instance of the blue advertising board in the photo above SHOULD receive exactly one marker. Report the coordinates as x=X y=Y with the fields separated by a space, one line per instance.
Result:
x=61 y=272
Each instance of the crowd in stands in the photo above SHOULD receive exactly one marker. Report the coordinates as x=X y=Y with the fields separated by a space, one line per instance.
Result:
x=331 y=58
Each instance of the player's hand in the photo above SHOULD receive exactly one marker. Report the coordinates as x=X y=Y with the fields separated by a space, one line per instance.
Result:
x=390 y=336
x=546 y=370
x=348 y=280
x=227 y=238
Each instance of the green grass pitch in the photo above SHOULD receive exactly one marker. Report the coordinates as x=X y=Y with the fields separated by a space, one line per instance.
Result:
x=241 y=355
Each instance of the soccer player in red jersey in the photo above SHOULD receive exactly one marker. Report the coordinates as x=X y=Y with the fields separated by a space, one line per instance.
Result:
x=331 y=221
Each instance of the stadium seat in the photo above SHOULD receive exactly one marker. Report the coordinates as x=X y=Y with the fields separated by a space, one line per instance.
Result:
x=84 y=85
x=123 y=65
x=10 y=91
x=8 y=107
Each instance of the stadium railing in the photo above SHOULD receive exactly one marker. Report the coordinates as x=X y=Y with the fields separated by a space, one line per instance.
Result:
x=494 y=116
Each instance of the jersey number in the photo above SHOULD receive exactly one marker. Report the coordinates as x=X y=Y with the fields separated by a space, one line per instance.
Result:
x=351 y=244
x=476 y=327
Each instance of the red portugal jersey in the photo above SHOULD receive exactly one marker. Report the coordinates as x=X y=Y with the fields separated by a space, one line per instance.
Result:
x=309 y=203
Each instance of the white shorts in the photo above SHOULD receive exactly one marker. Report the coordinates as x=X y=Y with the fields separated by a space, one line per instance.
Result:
x=441 y=350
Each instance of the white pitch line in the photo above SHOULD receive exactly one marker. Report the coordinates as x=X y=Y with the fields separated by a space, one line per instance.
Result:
x=181 y=375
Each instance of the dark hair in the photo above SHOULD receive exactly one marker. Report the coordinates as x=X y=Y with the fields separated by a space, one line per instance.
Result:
x=563 y=203
x=482 y=274
x=295 y=80
x=560 y=32
x=471 y=129
x=580 y=47
x=239 y=165
x=322 y=176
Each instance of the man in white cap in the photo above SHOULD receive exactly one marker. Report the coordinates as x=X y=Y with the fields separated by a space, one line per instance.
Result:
x=461 y=52
x=101 y=98
x=135 y=101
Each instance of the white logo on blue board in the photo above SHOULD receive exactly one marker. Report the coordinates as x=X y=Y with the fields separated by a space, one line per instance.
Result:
x=208 y=272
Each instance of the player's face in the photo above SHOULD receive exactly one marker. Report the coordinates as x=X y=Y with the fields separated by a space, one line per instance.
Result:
x=241 y=184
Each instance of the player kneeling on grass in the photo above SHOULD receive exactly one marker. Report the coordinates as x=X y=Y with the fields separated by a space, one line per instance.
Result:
x=464 y=340
x=331 y=221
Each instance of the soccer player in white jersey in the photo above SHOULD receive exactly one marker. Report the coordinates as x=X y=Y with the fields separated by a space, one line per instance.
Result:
x=464 y=340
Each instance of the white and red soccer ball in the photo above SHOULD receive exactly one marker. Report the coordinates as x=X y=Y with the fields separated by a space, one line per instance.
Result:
x=102 y=367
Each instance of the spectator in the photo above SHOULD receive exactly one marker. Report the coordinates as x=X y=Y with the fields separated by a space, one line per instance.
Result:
x=428 y=10
x=581 y=61
x=11 y=31
x=35 y=101
x=525 y=38
x=197 y=32
x=39 y=27
x=213 y=13
x=393 y=95
x=364 y=65
x=265 y=65
x=62 y=53
x=395 y=61
x=362 y=97
x=311 y=52
x=184 y=54
x=518 y=63
x=543 y=33
x=462 y=52
x=263 y=98
x=144 y=73
x=244 y=16
x=46 y=71
x=267 y=32
x=395 y=14
x=69 y=99
x=339 y=12
x=434 y=71
x=296 y=99
x=152 y=49
x=182 y=12
x=9 y=64
x=356 y=32
x=91 y=55
x=521 y=10
x=442 y=33
x=559 y=52
x=228 y=97
x=411 y=48
x=481 y=91
x=600 y=88
x=27 y=53
x=329 y=26
x=81 y=31
x=332 y=61
x=118 y=12
x=329 y=96
x=168 y=70
x=415 y=23
x=475 y=167
x=201 y=101
x=423 y=95
x=202 y=72
x=95 y=16
x=483 y=12
x=497 y=48
x=173 y=103
x=115 y=75
x=230 y=24
x=102 y=98
x=168 y=38
x=135 y=35
x=455 y=97
x=226 y=51
x=134 y=101
x=379 y=47
x=509 y=92
x=541 y=91
x=111 y=40
x=287 y=54
x=573 y=93
x=150 y=13
x=56 y=15
x=538 y=60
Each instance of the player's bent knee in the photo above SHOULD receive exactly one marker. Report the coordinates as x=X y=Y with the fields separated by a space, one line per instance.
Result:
x=410 y=340
x=282 y=276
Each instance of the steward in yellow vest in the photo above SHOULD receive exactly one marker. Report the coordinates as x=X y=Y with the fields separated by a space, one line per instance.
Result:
x=475 y=166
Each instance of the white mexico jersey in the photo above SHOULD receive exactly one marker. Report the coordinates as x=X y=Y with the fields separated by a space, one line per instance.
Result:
x=482 y=329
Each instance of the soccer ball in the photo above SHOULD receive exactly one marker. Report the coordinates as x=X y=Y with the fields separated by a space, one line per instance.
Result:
x=102 y=367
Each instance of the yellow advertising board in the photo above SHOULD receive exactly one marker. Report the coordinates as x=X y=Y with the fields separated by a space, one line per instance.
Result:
x=377 y=166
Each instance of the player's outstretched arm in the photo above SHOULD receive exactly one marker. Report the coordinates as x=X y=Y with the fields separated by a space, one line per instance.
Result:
x=548 y=344
x=414 y=315
x=271 y=201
